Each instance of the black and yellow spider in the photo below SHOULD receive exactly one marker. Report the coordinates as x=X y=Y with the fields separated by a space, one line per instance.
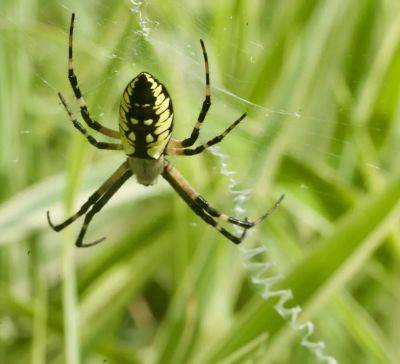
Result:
x=145 y=125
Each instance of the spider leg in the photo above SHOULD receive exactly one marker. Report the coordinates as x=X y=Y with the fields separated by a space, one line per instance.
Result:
x=92 y=199
x=204 y=109
x=90 y=138
x=97 y=207
x=201 y=207
x=202 y=203
x=246 y=223
x=78 y=94
x=191 y=151
x=197 y=210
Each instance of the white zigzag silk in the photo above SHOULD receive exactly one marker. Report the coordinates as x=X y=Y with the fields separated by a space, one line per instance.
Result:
x=259 y=269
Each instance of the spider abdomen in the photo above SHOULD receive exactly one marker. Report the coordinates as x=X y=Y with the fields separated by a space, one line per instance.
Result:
x=146 y=117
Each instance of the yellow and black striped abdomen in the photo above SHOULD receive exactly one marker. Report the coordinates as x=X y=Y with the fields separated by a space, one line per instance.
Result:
x=146 y=117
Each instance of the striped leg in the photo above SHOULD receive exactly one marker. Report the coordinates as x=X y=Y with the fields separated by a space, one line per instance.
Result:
x=201 y=207
x=176 y=185
x=247 y=224
x=202 y=203
x=90 y=138
x=77 y=92
x=191 y=151
x=188 y=142
x=97 y=207
x=92 y=199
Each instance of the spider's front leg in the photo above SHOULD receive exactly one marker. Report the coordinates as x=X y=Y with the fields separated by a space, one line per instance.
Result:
x=202 y=208
x=97 y=207
x=95 y=202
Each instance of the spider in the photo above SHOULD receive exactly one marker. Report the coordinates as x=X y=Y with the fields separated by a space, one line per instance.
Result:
x=145 y=125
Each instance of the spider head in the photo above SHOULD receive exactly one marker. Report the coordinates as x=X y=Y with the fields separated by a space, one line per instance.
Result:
x=146 y=171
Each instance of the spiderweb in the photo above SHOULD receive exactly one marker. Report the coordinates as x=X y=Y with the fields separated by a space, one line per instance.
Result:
x=176 y=48
x=259 y=269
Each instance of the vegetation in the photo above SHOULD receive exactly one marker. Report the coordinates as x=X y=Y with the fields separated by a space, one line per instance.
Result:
x=320 y=81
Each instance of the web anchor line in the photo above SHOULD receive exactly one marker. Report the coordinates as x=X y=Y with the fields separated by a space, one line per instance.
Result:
x=259 y=272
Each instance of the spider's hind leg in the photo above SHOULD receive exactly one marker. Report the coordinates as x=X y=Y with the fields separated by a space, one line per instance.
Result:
x=82 y=130
x=188 y=142
x=73 y=80
x=173 y=150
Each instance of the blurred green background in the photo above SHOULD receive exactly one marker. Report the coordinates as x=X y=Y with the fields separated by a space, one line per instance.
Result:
x=320 y=81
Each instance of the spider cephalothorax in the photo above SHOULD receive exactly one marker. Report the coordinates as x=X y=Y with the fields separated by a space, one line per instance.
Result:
x=145 y=125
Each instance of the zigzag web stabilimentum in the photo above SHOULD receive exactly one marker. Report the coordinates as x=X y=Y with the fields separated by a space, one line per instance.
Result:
x=254 y=255
x=182 y=46
x=255 y=260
